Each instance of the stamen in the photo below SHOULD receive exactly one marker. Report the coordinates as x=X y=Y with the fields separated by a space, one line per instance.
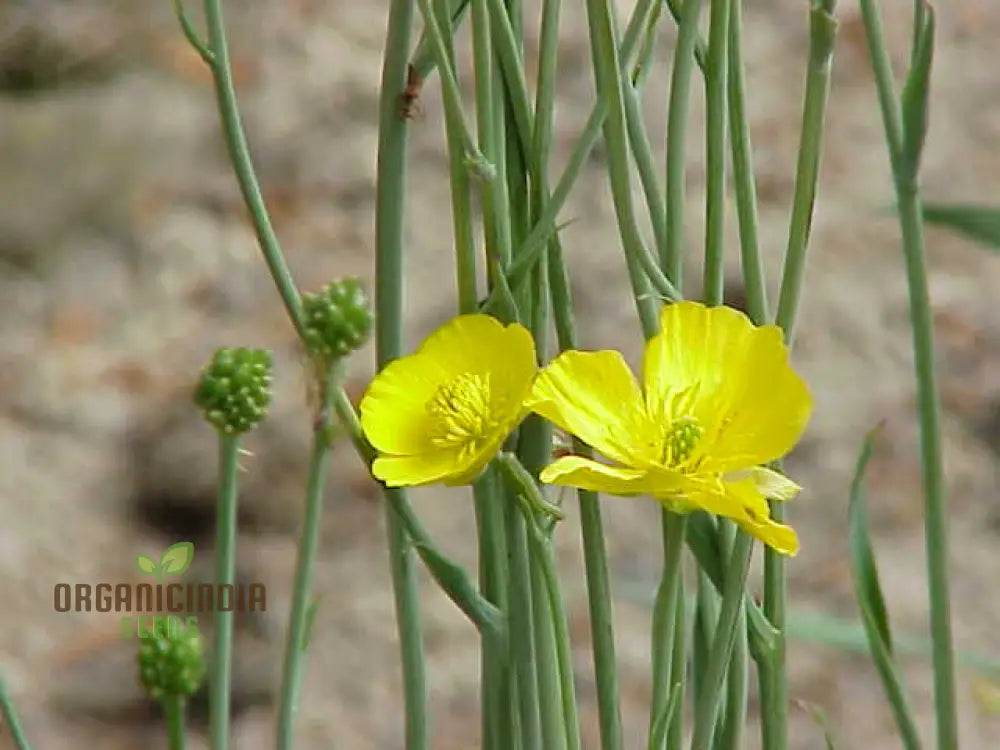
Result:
x=680 y=440
x=461 y=410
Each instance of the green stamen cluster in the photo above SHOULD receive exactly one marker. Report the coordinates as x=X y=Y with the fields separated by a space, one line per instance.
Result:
x=338 y=318
x=235 y=389
x=170 y=662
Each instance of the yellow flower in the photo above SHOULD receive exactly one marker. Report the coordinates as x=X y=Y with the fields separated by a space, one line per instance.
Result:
x=441 y=413
x=718 y=399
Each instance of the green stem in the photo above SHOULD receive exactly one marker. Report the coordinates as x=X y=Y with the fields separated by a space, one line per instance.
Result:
x=11 y=720
x=905 y=175
x=677 y=120
x=225 y=574
x=291 y=676
x=669 y=596
x=538 y=238
x=173 y=710
x=390 y=210
x=743 y=174
x=461 y=210
x=520 y=640
x=592 y=531
x=678 y=674
x=608 y=73
x=773 y=675
x=239 y=154
x=709 y=690
x=556 y=610
x=457 y=128
x=549 y=691
x=730 y=736
x=491 y=532
x=823 y=28
x=715 y=140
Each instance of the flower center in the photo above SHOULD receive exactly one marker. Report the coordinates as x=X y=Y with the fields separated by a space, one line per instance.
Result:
x=461 y=410
x=682 y=435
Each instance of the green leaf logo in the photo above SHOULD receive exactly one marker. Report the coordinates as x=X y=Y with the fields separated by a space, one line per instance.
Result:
x=177 y=558
x=146 y=564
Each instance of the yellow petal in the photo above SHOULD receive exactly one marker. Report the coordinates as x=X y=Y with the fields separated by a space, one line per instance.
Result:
x=742 y=502
x=480 y=344
x=777 y=536
x=594 y=396
x=774 y=486
x=417 y=470
x=767 y=408
x=394 y=408
x=693 y=346
x=394 y=411
x=751 y=403
x=585 y=474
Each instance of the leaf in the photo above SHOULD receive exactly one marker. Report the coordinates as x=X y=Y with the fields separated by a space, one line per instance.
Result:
x=822 y=721
x=177 y=558
x=980 y=223
x=868 y=593
x=864 y=571
x=307 y=631
x=460 y=589
x=916 y=90
x=146 y=564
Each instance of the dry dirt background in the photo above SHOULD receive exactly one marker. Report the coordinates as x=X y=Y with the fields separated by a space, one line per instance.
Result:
x=126 y=259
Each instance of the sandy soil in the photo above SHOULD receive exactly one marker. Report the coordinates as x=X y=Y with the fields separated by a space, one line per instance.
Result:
x=126 y=259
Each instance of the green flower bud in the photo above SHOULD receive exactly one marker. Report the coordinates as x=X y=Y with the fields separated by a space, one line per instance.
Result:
x=338 y=318
x=235 y=389
x=170 y=661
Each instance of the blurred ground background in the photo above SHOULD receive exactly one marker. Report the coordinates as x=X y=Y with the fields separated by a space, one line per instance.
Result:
x=125 y=259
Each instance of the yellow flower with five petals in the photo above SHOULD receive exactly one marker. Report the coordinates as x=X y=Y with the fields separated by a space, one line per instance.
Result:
x=718 y=399
x=442 y=413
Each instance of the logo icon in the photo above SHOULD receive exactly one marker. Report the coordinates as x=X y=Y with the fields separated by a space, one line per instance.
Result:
x=175 y=560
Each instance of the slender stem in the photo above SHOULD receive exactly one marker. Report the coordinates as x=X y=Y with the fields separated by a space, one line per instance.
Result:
x=291 y=676
x=173 y=710
x=545 y=564
x=592 y=531
x=11 y=720
x=225 y=574
x=922 y=325
x=677 y=120
x=935 y=500
x=461 y=210
x=550 y=701
x=608 y=74
x=709 y=691
x=491 y=531
x=239 y=154
x=743 y=174
x=822 y=32
x=716 y=115
x=457 y=128
x=773 y=675
x=669 y=596
x=678 y=672
x=521 y=641
x=390 y=210
x=730 y=736
x=535 y=243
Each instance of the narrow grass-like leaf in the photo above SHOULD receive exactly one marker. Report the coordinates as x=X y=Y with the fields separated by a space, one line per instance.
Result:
x=453 y=579
x=916 y=91
x=849 y=635
x=663 y=720
x=822 y=721
x=868 y=593
x=980 y=223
